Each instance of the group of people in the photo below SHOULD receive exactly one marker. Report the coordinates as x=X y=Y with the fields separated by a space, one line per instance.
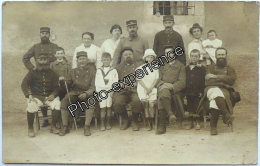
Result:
x=57 y=83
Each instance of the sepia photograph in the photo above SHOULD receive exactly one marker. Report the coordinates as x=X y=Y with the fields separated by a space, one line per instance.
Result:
x=130 y=82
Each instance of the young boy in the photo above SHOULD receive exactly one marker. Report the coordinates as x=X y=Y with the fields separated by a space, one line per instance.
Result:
x=105 y=77
x=40 y=86
x=146 y=90
x=62 y=68
x=195 y=84
x=211 y=44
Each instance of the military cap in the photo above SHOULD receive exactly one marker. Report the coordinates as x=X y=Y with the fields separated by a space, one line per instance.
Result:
x=125 y=49
x=196 y=25
x=45 y=29
x=168 y=18
x=131 y=22
x=82 y=53
x=42 y=55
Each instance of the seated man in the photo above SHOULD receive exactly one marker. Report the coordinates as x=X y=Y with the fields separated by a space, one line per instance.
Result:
x=128 y=94
x=41 y=87
x=172 y=80
x=219 y=79
x=82 y=81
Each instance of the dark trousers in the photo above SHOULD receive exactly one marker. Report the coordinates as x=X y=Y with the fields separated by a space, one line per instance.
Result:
x=192 y=103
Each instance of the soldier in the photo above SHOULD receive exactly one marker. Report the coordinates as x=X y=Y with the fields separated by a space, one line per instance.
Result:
x=128 y=94
x=41 y=87
x=138 y=44
x=168 y=37
x=82 y=81
x=44 y=46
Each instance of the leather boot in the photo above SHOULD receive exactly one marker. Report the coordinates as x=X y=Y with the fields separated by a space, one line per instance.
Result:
x=162 y=122
x=44 y=114
x=125 y=121
x=89 y=115
x=227 y=117
x=134 y=124
x=55 y=117
x=191 y=125
x=214 y=121
x=108 y=125
x=166 y=102
x=102 y=127
x=64 y=130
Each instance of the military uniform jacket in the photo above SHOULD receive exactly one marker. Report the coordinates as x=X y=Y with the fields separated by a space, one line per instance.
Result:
x=40 y=83
x=172 y=38
x=174 y=74
x=82 y=80
x=138 y=44
x=35 y=50
x=195 y=80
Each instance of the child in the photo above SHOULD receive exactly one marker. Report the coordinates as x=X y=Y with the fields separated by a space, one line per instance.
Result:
x=61 y=67
x=146 y=90
x=211 y=44
x=105 y=77
x=195 y=84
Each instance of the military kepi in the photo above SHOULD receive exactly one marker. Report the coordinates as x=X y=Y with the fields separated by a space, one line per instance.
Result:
x=42 y=55
x=82 y=53
x=168 y=18
x=131 y=22
x=45 y=29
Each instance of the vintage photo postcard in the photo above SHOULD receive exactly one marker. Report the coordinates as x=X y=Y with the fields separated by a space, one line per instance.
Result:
x=130 y=82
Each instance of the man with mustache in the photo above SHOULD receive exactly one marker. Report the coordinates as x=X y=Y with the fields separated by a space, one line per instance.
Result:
x=138 y=44
x=40 y=86
x=128 y=94
x=220 y=78
x=82 y=81
x=44 y=46
x=168 y=37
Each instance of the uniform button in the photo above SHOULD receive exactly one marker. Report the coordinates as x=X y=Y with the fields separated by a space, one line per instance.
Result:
x=77 y=76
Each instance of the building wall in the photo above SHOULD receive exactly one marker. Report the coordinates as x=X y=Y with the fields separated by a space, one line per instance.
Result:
x=67 y=20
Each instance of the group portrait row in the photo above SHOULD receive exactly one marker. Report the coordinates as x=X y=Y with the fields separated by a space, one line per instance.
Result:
x=205 y=80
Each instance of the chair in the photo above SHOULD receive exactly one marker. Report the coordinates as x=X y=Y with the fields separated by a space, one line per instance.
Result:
x=203 y=108
x=38 y=118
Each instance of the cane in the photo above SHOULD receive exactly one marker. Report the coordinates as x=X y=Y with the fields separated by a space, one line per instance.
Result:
x=70 y=103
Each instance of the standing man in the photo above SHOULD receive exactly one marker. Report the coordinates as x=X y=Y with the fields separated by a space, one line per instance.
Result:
x=168 y=37
x=128 y=94
x=44 y=46
x=138 y=44
x=220 y=78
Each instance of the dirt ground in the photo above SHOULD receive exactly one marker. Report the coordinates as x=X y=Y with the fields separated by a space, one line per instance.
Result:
x=177 y=146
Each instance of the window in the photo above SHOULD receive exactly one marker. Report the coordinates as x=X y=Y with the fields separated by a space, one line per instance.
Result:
x=173 y=8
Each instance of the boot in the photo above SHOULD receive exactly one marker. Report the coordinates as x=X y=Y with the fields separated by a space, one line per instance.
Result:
x=162 y=122
x=148 y=124
x=64 y=130
x=108 y=126
x=191 y=125
x=134 y=121
x=166 y=102
x=214 y=121
x=44 y=114
x=87 y=131
x=102 y=127
x=31 y=133
x=227 y=117
x=125 y=122
x=55 y=117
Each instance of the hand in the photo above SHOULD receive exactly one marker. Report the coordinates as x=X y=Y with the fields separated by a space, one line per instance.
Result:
x=227 y=86
x=32 y=99
x=50 y=98
x=208 y=76
x=82 y=96
x=61 y=78
x=148 y=91
x=166 y=86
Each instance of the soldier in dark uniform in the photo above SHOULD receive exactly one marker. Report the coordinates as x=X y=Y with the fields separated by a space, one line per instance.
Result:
x=44 y=46
x=128 y=94
x=168 y=37
x=82 y=81
x=41 y=87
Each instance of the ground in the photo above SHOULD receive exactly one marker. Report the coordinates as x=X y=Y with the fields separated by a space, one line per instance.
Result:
x=177 y=146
